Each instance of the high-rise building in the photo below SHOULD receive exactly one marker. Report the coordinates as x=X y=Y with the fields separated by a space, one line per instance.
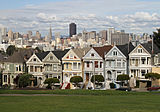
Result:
x=29 y=34
x=119 y=38
x=0 y=38
x=50 y=35
x=4 y=31
x=72 y=29
x=109 y=34
x=103 y=34
x=10 y=34
x=38 y=35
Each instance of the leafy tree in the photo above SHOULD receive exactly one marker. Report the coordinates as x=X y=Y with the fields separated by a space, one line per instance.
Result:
x=0 y=78
x=51 y=81
x=123 y=78
x=76 y=80
x=156 y=37
x=24 y=80
x=10 y=50
x=38 y=50
x=152 y=76
x=98 y=79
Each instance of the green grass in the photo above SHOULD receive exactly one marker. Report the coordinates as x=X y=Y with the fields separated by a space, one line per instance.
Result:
x=76 y=92
x=110 y=103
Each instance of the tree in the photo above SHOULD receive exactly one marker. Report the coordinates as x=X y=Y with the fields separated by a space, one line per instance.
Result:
x=24 y=80
x=0 y=78
x=156 y=37
x=10 y=50
x=76 y=80
x=123 y=78
x=97 y=79
x=152 y=76
x=38 y=50
x=51 y=81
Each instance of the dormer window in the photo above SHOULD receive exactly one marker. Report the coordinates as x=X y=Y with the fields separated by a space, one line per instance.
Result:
x=51 y=57
x=115 y=53
x=34 y=59
x=71 y=56
x=140 y=50
x=92 y=54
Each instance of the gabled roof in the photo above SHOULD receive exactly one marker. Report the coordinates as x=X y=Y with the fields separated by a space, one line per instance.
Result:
x=102 y=50
x=148 y=47
x=125 y=49
x=42 y=55
x=80 y=52
x=20 y=56
x=59 y=53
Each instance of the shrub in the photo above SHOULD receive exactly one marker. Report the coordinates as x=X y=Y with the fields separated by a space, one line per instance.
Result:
x=76 y=80
x=24 y=80
x=122 y=77
x=152 y=76
x=51 y=81
x=98 y=79
x=112 y=85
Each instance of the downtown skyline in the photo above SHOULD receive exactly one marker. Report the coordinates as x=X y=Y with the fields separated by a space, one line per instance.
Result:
x=133 y=16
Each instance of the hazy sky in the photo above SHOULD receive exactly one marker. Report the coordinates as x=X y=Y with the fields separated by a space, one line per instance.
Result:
x=135 y=16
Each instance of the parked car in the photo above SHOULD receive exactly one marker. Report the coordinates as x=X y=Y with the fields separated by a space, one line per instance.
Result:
x=154 y=88
x=124 y=89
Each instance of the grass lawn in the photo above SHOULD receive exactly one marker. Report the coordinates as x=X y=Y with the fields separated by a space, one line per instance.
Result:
x=109 y=103
x=84 y=101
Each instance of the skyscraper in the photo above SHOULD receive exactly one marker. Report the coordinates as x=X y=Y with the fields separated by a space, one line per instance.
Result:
x=72 y=29
x=38 y=35
x=4 y=31
x=50 y=33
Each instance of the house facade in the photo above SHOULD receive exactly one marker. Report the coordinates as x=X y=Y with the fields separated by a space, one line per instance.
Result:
x=73 y=65
x=116 y=61
x=140 y=60
x=94 y=63
x=46 y=65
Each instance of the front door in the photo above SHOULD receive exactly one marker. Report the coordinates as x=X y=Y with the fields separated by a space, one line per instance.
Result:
x=87 y=77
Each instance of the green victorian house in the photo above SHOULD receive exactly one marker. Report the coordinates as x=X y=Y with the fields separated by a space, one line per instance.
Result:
x=14 y=66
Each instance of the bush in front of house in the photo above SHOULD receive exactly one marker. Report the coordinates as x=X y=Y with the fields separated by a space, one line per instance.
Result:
x=76 y=80
x=97 y=79
x=152 y=76
x=123 y=78
x=112 y=85
x=51 y=81
x=24 y=80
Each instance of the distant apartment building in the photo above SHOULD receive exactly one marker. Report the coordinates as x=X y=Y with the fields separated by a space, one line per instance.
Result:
x=72 y=29
x=119 y=38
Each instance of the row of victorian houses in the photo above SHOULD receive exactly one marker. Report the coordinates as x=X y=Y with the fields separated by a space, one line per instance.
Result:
x=109 y=61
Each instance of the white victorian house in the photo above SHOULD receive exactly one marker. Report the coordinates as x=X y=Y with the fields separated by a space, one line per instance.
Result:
x=94 y=63
x=117 y=61
x=141 y=60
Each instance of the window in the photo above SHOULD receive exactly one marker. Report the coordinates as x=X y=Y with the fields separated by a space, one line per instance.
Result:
x=59 y=77
x=143 y=72
x=36 y=68
x=96 y=64
x=41 y=69
x=31 y=68
x=5 y=78
x=19 y=67
x=71 y=56
x=118 y=63
x=92 y=54
x=88 y=64
x=51 y=57
x=109 y=63
x=140 y=50
x=79 y=65
x=34 y=59
x=16 y=68
x=67 y=66
x=74 y=65
x=123 y=64
x=143 y=60
x=101 y=64
x=54 y=67
x=133 y=61
x=115 y=53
